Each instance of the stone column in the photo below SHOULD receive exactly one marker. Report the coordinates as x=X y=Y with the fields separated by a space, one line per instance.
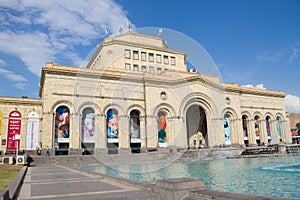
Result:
x=215 y=131
x=101 y=138
x=143 y=133
x=251 y=133
x=263 y=130
x=152 y=132
x=48 y=131
x=124 y=139
x=74 y=142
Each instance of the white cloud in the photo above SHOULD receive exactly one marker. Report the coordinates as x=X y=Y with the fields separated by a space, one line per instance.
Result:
x=292 y=103
x=12 y=76
x=2 y=62
x=270 y=57
x=41 y=31
x=258 y=86
x=294 y=55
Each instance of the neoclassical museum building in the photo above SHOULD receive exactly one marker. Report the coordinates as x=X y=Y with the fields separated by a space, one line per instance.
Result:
x=134 y=95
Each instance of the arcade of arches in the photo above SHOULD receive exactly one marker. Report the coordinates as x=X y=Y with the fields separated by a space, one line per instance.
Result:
x=111 y=107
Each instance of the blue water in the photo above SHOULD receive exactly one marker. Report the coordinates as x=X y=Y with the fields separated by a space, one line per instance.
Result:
x=268 y=176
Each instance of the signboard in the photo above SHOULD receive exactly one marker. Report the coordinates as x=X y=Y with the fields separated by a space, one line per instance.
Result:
x=32 y=131
x=14 y=128
x=0 y=122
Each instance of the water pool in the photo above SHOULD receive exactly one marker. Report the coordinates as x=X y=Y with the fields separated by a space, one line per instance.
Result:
x=268 y=176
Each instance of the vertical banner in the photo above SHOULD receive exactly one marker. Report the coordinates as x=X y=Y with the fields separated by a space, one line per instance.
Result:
x=112 y=126
x=88 y=126
x=14 y=128
x=0 y=122
x=32 y=131
x=162 y=129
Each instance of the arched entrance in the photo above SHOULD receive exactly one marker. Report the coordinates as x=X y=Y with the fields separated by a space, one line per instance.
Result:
x=245 y=129
x=135 y=135
x=196 y=127
x=257 y=128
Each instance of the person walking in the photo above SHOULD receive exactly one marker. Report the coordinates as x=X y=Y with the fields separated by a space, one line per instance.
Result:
x=48 y=151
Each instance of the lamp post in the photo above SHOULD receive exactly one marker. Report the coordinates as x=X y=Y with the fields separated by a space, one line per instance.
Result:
x=17 y=138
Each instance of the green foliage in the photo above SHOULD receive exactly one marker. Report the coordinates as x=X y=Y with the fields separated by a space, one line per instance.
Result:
x=298 y=125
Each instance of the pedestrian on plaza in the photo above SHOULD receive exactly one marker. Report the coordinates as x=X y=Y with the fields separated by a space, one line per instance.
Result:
x=29 y=160
x=48 y=151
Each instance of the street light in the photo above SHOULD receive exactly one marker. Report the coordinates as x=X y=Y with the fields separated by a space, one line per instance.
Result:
x=17 y=138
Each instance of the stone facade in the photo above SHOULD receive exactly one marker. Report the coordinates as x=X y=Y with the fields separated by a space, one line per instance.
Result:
x=135 y=93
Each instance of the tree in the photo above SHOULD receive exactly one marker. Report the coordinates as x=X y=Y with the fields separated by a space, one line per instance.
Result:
x=298 y=126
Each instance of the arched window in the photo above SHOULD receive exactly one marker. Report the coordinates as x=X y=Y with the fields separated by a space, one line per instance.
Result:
x=268 y=126
x=14 y=130
x=162 y=128
x=0 y=123
x=88 y=126
x=112 y=126
x=278 y=126
x=227 y=128
x=245 y=128
x=257 y=128
x=134 y=126
x=32 y=131
x=62 y=127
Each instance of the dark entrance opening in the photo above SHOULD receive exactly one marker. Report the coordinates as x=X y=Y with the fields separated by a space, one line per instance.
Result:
x=195 y=122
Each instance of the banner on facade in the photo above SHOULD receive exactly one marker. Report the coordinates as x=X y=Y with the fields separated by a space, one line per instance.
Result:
x=32 y=131
x=14 y=128
x=0 y=122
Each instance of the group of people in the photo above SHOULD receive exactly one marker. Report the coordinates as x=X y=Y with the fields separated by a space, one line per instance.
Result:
x=198 y=141
x=38 y=151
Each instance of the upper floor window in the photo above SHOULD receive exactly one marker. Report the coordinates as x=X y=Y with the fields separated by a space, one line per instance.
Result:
x=158 y=58
x=151 y=57
x=166 y=60
x=135 y=55
x=144 y=68
x=158 y=70
x=127 y=53
x=151 y=70
x=135 y=67
x=127 y=66
x=173 y=61
x=143 y=56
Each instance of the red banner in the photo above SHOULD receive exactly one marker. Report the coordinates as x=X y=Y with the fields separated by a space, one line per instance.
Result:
x=14 y=128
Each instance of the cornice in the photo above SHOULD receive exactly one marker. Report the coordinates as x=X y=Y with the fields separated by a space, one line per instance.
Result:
x=20 y=101
x=243 y=90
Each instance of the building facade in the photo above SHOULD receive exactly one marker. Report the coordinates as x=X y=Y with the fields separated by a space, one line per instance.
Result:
x=135 y=95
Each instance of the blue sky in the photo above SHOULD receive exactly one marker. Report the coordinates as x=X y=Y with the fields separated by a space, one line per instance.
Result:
x=254 y=43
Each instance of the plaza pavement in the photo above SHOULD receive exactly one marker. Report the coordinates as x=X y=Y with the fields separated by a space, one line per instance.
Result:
x=51 y=181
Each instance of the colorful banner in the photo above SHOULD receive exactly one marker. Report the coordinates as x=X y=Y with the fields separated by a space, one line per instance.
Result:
x=135 y=136
x=32 y=131
x=112 y=126
x=88 y=126
x=0 y=122
x=162 y=129
x=62 y=125
x=227 y=130
x=14 y=128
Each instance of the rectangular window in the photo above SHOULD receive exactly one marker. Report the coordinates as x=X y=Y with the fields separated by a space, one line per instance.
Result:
x=127 y=53
x=158 y=58
x=144 y=68
x=135 y=55
x=173 y=61
x=151 y=70
x=151 y=57
x=144 y=56
x=166 y=60
x=135 y=67
x=127 y=66
x=158 y=70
